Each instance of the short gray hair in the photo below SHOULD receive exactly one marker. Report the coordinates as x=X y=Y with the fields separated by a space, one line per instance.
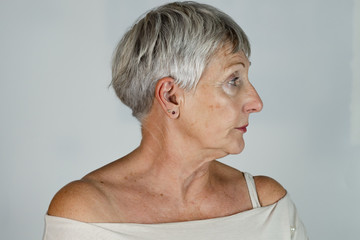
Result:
x=174 y=40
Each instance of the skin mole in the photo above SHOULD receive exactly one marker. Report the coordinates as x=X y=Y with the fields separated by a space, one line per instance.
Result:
x=217 y=106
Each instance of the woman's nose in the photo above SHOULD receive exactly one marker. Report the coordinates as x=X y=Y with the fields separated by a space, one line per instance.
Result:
x=253 y=102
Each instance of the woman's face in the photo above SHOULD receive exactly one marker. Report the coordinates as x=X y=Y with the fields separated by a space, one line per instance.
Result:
x=217 y=113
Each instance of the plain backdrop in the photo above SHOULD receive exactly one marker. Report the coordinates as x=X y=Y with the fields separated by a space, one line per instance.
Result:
x=59 y=120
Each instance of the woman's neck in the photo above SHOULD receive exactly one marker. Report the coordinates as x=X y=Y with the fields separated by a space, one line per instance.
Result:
x=169 y=162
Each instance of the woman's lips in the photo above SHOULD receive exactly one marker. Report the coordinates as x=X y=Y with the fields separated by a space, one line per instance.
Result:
x=243 y=128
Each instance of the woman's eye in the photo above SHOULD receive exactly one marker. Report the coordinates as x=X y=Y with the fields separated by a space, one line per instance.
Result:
x=234 y=82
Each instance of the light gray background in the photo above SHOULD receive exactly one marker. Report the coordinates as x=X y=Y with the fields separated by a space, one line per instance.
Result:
x=59 y=120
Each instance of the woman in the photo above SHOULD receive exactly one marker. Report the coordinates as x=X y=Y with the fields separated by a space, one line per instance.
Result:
x=183 y=70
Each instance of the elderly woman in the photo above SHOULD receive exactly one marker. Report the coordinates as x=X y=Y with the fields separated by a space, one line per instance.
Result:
x=183 y=70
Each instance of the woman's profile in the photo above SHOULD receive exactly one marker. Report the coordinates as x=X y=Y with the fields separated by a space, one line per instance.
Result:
x=183 y=70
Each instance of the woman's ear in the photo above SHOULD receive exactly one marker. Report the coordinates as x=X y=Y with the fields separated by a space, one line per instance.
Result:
x=168 y=94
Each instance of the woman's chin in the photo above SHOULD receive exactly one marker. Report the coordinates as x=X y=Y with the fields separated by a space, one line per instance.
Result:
x=236 y=149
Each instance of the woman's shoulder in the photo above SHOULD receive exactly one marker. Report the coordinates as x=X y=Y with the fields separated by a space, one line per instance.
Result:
x=80 y=200
x=269 y=190
x=88 y=199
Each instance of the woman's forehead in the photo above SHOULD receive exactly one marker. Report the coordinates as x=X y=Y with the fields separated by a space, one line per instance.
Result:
x=222 y=64
x=226 y=59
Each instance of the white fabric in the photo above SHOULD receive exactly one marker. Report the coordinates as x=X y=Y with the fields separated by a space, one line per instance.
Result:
x=275 y=222
x=252 y=190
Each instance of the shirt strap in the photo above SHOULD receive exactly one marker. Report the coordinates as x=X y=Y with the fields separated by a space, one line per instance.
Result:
x=252 y=190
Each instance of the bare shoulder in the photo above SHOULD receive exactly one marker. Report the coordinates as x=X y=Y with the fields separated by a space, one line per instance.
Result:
x=79 y=200
x=268 y=190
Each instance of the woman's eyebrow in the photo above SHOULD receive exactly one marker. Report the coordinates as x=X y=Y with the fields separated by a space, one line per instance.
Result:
x=234 y=65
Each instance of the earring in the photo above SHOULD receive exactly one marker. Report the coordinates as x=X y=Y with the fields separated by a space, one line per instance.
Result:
x=172 y=112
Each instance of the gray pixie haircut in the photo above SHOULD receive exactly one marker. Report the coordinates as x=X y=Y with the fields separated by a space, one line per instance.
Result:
x=174 y=40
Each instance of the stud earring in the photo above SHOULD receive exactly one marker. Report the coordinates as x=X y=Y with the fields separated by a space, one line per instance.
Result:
x=172 y=112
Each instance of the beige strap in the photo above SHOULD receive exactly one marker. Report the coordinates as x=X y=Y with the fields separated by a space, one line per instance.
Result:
x=252 y=190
